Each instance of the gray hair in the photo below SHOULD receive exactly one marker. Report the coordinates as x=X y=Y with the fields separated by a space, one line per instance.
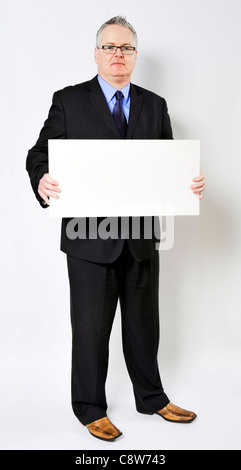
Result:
x=120 y=20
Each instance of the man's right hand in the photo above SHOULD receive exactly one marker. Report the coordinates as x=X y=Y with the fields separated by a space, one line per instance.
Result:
x=48 y=187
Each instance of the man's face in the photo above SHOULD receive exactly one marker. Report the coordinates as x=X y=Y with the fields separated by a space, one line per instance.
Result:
x=116 y=67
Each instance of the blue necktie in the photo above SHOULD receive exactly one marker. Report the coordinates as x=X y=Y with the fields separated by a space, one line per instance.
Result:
x=119 y=116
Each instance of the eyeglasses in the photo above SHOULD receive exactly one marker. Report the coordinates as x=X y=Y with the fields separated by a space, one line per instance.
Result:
x=125 y=50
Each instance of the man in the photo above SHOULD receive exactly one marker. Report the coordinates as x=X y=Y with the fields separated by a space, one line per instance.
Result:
x=103 y=271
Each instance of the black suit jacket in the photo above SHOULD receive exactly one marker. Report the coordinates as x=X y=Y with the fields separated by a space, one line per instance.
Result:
x=81 y=112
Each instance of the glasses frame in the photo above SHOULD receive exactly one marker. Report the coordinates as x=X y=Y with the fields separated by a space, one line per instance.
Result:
x=122 y=48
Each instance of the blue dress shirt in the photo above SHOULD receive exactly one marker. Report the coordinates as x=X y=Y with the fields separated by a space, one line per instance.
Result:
x=109 y=92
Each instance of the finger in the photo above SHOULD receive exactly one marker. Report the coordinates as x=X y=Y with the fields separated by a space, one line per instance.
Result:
x=44 y=197
x=199 y=178
x=197 y=190
x=50 y=186
x=48 y=179
x=48 y=192
x=197 y=185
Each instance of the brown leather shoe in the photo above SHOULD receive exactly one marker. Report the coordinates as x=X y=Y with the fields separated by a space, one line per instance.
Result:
x=103 y=429
x=175 y=414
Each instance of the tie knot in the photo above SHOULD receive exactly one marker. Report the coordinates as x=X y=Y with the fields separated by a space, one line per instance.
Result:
x=119 y=95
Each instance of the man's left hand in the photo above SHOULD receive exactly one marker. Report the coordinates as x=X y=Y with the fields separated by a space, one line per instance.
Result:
x=198 y=187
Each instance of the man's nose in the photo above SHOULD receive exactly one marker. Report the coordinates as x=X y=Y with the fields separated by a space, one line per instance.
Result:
x=119 y=52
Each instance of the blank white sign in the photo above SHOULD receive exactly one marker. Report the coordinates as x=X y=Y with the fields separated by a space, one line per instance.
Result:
x=110 y=178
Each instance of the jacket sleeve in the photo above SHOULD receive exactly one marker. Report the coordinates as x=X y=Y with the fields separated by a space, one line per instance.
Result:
x=166 y=123
x=37 y=158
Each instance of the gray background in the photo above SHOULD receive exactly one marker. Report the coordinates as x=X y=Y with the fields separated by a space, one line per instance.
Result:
x=189 y=52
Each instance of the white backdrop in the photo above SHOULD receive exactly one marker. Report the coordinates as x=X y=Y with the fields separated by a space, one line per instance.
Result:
x=189 y=52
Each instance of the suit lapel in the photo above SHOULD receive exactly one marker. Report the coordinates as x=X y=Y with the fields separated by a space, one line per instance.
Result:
x=100 y=105
x=135 y=110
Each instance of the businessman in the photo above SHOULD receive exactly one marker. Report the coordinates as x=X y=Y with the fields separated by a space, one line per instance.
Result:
x=101 y=271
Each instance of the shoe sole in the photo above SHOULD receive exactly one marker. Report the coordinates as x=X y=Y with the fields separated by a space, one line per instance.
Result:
x=174 y=421
x=105 y=439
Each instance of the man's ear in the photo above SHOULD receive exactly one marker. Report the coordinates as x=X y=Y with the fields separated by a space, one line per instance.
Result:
x=96 y=55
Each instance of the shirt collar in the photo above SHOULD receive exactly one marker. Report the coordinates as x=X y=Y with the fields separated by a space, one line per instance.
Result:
x=109 y=90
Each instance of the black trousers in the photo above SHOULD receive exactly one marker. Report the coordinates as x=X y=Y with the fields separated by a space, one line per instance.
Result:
x=94 y=292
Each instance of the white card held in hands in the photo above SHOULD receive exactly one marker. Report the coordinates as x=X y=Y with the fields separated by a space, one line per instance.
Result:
x=109 y=178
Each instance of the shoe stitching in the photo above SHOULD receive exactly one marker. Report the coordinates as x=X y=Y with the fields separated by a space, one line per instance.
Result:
x=103 y=431
x=176 y=413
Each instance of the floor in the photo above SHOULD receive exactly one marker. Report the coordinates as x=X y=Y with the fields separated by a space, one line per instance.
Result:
x=36 y=412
